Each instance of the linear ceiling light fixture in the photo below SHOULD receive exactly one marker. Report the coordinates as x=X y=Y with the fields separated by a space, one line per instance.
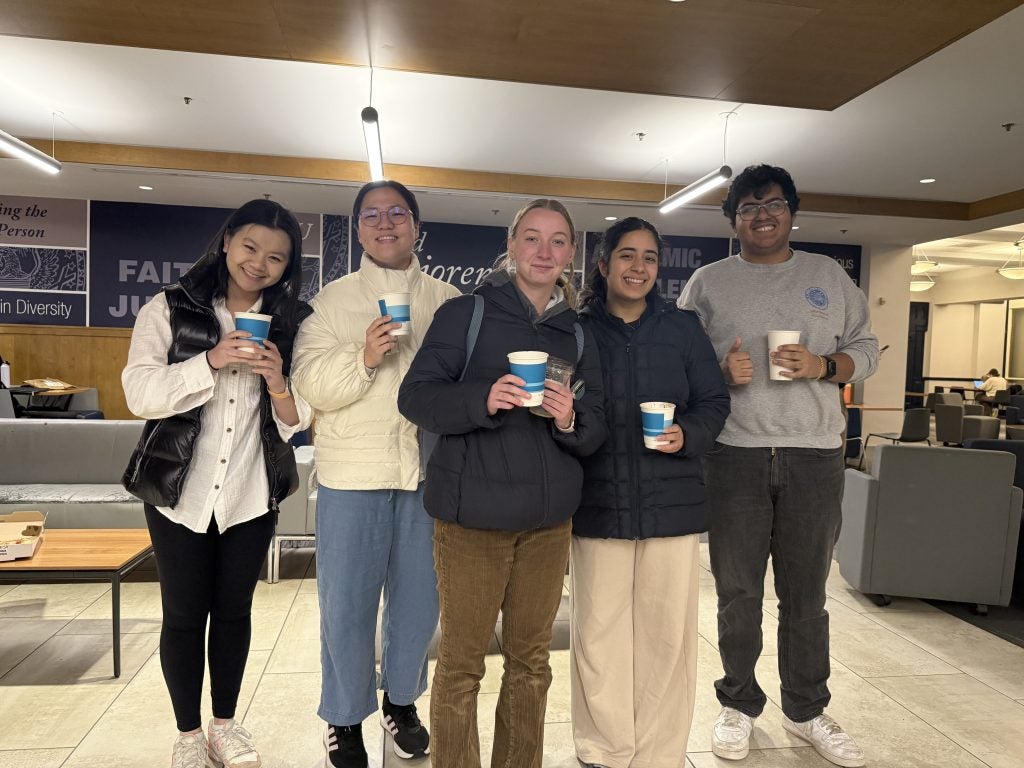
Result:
x=371 y=137
x=1014 y=271
x=28 y=153
x=705 y=183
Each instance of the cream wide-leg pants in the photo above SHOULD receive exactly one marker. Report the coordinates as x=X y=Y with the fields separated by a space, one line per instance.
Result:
x=633 y=651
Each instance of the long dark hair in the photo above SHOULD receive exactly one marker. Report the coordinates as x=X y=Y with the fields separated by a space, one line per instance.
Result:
x=282 y=297
x=597 y=285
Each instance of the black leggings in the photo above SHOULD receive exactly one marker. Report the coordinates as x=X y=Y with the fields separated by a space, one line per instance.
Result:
x=206 y=575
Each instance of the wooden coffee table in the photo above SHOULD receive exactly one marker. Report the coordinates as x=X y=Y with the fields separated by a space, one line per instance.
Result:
x=86 y=554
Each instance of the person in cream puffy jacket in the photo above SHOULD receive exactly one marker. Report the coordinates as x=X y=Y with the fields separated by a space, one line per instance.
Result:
x=371 y=529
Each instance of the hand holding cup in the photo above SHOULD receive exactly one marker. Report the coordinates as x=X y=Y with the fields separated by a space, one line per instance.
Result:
x=379 y=341
x=269 y=365
x=505 y=394
x=234 y=347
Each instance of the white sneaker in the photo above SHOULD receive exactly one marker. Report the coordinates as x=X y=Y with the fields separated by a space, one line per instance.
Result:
x=190 y=751
x=730 y=738
x=230 y=746
x=828 y=739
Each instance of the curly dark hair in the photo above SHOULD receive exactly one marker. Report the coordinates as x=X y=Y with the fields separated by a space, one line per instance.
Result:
x=756 y=179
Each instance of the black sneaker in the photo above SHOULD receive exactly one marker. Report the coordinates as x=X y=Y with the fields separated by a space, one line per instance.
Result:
x=402 y=722
x=344 y=745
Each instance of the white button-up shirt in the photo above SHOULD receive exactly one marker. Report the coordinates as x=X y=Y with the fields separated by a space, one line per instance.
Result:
x=226 y=479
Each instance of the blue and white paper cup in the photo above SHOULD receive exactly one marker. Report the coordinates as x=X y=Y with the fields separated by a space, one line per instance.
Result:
x=657 y=417
x=531 y=367
x=397 y=305
x=257 y=325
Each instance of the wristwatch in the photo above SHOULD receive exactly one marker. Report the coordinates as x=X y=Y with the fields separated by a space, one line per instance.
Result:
x=830 y=367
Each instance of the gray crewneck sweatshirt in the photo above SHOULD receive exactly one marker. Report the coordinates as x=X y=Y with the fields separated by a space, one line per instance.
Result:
x=809 y=293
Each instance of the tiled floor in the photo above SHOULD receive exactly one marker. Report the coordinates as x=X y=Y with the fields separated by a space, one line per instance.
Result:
x=916 y=686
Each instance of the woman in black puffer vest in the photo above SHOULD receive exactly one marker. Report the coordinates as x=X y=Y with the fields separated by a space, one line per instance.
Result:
x=214 y=459
x=635 y=535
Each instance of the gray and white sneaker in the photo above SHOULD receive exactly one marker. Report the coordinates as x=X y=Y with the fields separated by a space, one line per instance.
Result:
x=230 y=746
x=730 y=738
x=828 y=739
x=190 y=751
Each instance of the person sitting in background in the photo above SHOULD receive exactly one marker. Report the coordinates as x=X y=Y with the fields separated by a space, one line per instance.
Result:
x=991 y=383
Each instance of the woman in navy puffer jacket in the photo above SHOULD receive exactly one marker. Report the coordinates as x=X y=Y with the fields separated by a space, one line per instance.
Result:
x=635 y=535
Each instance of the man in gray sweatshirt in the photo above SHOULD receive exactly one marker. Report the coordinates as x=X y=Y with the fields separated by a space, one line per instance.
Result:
x=775 y=476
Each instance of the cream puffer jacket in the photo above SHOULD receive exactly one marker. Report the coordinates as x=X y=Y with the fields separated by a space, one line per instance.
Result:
x=362 y=441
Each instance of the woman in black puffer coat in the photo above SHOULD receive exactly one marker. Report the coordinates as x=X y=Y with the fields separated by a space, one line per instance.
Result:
x=635 y=535
x=502 y=485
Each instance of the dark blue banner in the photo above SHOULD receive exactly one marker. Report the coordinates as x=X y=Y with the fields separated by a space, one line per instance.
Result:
x=42 y=308
x=460 y=254
x=138 y=248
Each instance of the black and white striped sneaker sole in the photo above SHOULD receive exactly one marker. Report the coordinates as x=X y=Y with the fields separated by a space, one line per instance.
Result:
x=389 y=725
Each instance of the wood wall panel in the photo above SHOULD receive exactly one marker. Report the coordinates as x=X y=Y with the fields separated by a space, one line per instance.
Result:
x=87 y=357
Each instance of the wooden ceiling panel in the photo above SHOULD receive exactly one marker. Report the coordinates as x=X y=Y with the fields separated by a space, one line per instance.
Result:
x=815 y=54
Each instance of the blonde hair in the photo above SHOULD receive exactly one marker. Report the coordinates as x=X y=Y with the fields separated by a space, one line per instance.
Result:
x=564 y=281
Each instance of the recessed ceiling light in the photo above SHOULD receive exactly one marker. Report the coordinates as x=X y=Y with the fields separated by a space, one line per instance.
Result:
x=143 y=186
x=927 y=181
x=795 y=227
x=610 y=218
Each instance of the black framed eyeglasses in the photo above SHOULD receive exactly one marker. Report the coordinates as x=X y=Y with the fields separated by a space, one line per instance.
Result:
x=749 y=211
x=371 y=216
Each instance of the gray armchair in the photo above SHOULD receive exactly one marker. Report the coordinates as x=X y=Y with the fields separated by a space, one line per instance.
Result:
x=940 y=523
x=953 y=425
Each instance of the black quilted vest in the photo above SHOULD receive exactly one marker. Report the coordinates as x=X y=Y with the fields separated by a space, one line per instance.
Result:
x=157 y=469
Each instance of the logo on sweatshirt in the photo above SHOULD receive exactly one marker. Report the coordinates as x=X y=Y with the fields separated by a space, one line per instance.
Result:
x=817 y=298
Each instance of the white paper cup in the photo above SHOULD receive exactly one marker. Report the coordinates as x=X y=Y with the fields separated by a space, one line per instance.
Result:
x=531 y=367
x=775 y=340
x=397 y=305
x=656 y=417
x=258 y=327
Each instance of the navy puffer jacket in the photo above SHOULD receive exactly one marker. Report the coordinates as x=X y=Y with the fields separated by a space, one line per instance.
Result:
x=513 y=471
x=633 y=492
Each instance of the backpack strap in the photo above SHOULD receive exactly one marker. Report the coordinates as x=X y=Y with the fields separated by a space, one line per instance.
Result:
x=473 y=331
x=578 y=330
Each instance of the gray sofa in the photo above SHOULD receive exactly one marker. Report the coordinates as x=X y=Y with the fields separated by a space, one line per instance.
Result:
x=938 y=523
x=71 y=470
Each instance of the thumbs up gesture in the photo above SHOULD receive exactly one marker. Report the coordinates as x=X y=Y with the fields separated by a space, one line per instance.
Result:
x=737 y=367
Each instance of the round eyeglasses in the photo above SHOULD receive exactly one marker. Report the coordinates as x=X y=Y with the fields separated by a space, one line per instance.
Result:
x=371 y=216
x=750 y=211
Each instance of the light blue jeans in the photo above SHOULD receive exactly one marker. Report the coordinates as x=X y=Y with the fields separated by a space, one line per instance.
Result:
x=367 y=541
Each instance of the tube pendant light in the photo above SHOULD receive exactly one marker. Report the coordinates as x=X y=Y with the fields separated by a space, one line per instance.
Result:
x=28 y=153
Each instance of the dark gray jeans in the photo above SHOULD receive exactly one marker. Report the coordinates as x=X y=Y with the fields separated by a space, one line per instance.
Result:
x=786 y=502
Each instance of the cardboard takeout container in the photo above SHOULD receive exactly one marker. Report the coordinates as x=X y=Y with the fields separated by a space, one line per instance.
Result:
x=20 y=534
